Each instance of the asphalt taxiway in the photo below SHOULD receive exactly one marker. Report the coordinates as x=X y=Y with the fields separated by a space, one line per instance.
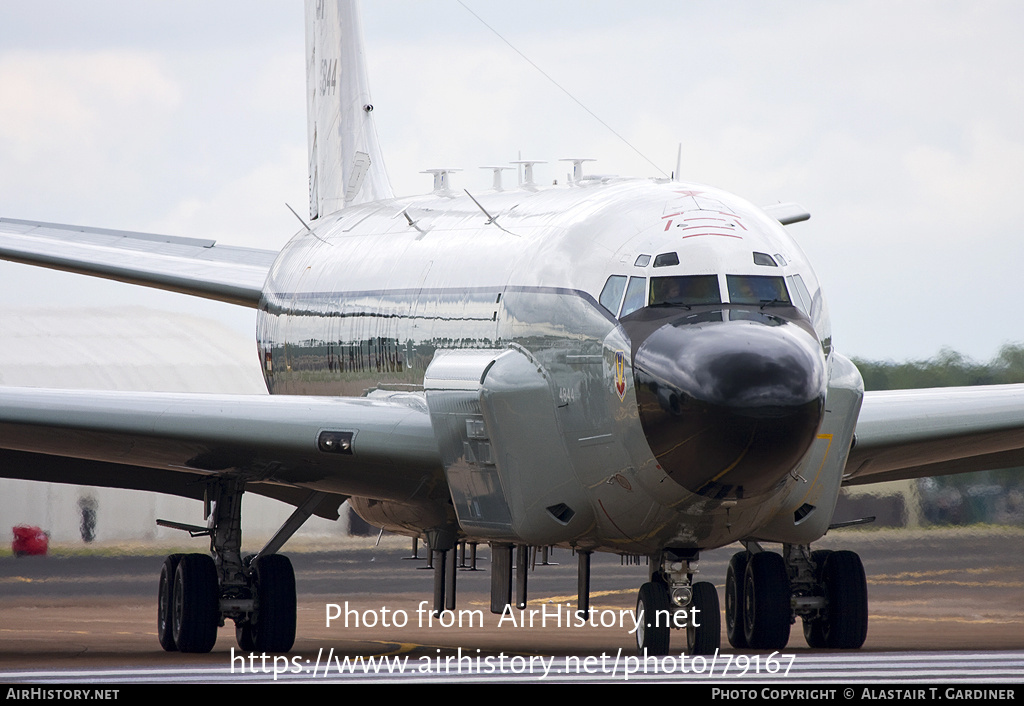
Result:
x=937 y=590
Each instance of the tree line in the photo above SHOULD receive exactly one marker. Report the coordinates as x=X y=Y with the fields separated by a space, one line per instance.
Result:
x=947 y=369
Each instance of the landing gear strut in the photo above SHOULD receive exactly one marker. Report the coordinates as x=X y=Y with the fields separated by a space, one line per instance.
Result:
x=765 y=592
x=671 y=599
x=198 y=592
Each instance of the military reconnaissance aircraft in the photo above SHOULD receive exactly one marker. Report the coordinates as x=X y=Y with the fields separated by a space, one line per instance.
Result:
x=638 y=366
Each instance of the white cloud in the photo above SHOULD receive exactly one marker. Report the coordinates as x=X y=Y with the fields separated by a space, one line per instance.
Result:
x=897 y=125
x=54 y=102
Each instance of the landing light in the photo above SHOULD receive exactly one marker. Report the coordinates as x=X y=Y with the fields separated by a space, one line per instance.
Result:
x=682 y=595
x=335 y=442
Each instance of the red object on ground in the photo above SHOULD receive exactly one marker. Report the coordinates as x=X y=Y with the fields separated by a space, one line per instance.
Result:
x=29 y=541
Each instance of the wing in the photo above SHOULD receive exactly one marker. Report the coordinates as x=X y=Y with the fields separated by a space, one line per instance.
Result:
x=169 y=442
x=916 y=433
x=187 y=265
x=787 y=213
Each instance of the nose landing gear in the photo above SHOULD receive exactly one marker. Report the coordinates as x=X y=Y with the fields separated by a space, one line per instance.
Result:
x=671 y=599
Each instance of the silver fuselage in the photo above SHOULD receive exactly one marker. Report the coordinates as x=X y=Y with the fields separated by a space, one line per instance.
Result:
x=544 y=437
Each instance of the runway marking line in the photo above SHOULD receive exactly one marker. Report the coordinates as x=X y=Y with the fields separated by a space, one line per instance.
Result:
x=945 y=619
x=122 y=578
x=942 y=572
x=972 y=584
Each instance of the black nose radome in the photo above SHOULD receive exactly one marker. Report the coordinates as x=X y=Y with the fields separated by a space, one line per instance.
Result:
x=729 y=407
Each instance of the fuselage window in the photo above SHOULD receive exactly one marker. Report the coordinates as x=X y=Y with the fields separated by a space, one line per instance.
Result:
x=757 y=289
x=611 y=295
x=666 y=259
x=636 y=295
x=689 y=290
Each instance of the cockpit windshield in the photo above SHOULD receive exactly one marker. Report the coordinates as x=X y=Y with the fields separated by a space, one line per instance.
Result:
x=757 y=289
x=688 y=290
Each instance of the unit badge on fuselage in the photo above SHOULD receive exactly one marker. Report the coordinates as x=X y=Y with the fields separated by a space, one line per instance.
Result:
x=620 y=375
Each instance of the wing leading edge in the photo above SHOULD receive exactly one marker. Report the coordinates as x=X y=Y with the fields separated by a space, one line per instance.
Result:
x=186 y=265
x=916 y=433
x=170 y=442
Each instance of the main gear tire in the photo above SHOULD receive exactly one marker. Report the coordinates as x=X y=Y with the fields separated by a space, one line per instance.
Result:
x=846 y=594
x=734 y=581
x=272 y=625
x=196 y=602
x=165 y=604
x=766 y=602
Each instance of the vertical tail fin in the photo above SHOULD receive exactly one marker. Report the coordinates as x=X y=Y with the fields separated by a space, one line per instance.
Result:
x=345 y=162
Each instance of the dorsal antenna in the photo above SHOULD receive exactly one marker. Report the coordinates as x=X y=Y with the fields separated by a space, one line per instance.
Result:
x=441 y=181
x=496 y=185
x=577 y=167
x=528 y=183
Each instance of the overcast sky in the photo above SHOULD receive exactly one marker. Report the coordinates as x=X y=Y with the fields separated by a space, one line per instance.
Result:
x=898 y=125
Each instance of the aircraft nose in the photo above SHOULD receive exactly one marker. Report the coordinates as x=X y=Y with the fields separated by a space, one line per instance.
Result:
x=730 y=407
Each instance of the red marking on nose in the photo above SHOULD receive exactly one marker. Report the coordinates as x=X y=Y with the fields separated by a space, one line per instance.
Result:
x=724 y=235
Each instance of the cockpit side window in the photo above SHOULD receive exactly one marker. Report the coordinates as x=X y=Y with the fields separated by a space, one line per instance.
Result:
x=688 y=290
x=611 y=295
x=757 y=289
x=636 y=294
x=800 y=294
x=666 y=259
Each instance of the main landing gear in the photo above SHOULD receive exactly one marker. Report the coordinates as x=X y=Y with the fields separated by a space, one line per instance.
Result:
x=671 y=599
x=198 y=592
x=765 y=592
